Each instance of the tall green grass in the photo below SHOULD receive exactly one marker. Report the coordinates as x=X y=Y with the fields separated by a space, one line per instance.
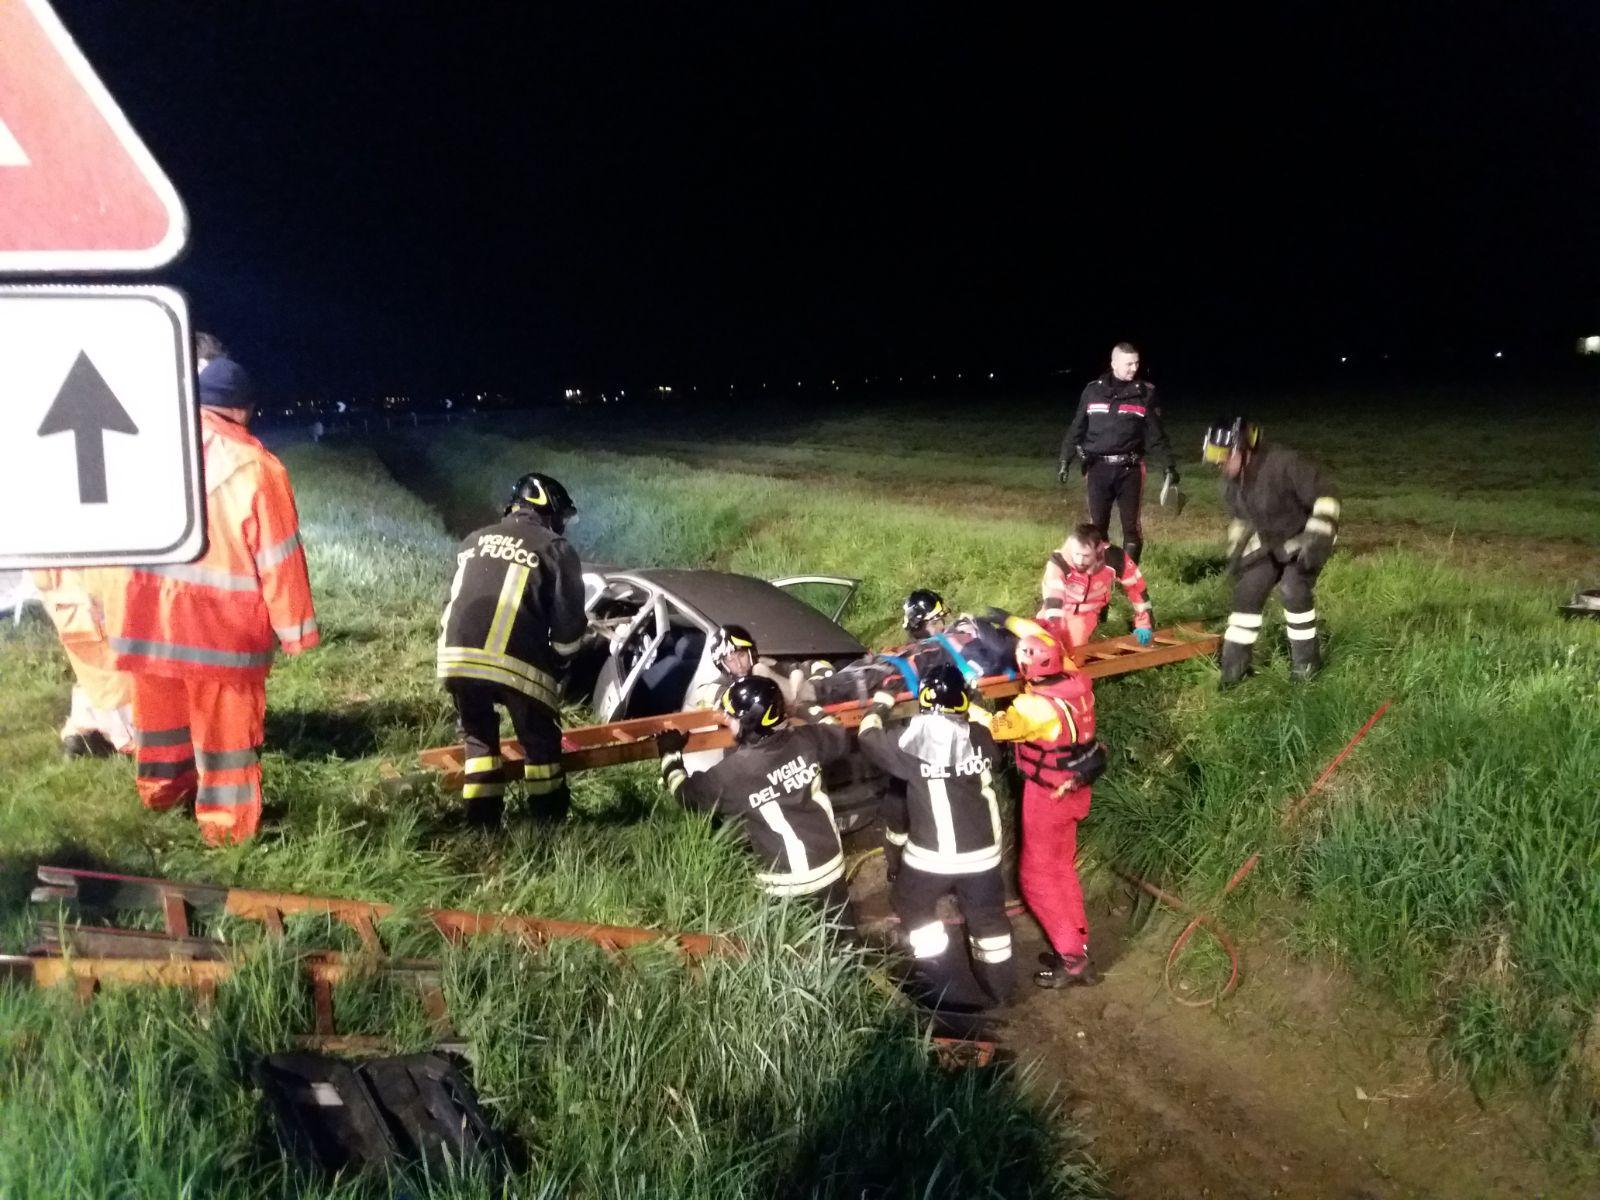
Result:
x=782 y=1073
x=1454 y=863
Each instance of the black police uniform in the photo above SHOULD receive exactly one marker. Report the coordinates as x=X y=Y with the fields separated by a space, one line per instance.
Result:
x=1285 y=515
x=1117 y=424
x=775 y=789
x=951 y=844
x=515 y=614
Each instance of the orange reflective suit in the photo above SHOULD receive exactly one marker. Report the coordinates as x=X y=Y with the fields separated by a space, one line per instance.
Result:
x=102 y=698
x=198 y=637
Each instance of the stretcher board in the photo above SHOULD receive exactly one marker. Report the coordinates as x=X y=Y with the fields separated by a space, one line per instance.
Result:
x=593 y=746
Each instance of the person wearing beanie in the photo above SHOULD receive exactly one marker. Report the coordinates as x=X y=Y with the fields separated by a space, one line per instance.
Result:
x=198 y=638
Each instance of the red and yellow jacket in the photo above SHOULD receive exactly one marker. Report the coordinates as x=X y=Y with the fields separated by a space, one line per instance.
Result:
x=220 y=616
x=1069 y=591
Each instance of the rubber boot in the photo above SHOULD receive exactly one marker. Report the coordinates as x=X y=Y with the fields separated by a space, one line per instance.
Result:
x=1235 y=662
x=1064 y=971
x=1305 y=658
x=486 y=812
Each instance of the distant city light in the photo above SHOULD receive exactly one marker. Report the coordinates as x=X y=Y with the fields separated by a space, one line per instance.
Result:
x=991 y=374
x=1499 y=354
x=664 y=388
x=1590 y=344
x=572 y=393
x=1344 y=358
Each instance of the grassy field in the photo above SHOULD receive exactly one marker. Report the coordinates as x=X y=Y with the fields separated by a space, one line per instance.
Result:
x=785 y=1073
x=1455 y=864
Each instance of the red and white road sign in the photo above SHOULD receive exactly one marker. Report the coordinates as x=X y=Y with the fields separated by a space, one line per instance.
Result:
x=78 y=190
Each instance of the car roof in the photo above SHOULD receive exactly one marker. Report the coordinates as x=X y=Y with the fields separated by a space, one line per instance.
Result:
x=784 y=626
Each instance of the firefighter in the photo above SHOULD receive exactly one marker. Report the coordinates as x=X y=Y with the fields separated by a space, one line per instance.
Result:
x=1077 y=586
x=197 y=638
x=772 y=784
x=1117 y=424
x=734 y=652
x=100 y=720
x=952 y=838
x=514 y=617
x=1051 y=728
x=1285 y=519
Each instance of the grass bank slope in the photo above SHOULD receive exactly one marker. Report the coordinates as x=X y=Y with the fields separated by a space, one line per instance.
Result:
x=783 y=1073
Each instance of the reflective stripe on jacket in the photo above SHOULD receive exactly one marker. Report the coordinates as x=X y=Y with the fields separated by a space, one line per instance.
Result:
x=221 y=615
x=1048 y=726
x=1067 y=590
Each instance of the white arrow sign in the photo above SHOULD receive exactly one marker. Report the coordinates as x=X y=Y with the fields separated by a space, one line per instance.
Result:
x=99 y=444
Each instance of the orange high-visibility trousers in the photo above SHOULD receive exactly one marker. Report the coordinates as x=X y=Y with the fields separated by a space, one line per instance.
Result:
x=201 y=738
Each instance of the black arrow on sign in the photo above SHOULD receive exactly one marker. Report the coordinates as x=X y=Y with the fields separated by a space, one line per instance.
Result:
x=87 y=408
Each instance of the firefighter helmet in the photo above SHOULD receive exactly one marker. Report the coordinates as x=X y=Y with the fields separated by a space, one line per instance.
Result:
x=543 y=496
x=1039 y=656
x=1085 y=548
x=755 y=705
x=731 y=638
x=1228 y=434
x=943 y=689
x=923 y=607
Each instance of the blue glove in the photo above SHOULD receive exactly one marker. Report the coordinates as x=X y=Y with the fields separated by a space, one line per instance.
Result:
x=1144 y=636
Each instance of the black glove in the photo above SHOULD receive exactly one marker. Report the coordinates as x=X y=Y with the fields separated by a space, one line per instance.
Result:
x=1171 y=479
x=1064 y=469
x=1314 y=553
x=671 y=741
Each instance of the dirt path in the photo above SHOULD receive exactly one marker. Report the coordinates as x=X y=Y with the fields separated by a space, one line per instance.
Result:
x=1299 y=1088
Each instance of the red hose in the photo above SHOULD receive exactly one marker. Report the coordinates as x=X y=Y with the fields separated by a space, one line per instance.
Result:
x=1201 y=920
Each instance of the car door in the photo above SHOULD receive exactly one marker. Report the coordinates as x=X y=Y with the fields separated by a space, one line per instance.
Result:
x=830 y=595
x=633 y=648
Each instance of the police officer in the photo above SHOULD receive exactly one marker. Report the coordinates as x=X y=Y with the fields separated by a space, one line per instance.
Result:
x=1117 y=424
x=952 y=834
x=515 y=615
x=772 y=784
x=1285 y=518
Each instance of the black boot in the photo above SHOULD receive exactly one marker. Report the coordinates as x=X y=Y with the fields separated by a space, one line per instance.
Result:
x=1063 y=971
x=1133 y=548
x=1235 y=662
x=486 y=812
x=93 y=744
x=1305 y=658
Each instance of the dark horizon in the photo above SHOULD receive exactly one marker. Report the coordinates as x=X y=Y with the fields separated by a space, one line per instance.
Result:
x=414 y=197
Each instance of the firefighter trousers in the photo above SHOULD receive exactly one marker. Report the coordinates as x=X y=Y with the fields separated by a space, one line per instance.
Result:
x=941 y=967
x=544 y=779
x=1047 y=869
x=200 y=738
x=1297 y=587
x=1121 y=484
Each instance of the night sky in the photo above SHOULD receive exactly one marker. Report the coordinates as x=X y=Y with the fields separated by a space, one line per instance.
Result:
x=418 y=196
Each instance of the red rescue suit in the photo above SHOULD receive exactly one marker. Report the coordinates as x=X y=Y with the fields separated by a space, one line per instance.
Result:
x=1048 y=725
x=1074 y=599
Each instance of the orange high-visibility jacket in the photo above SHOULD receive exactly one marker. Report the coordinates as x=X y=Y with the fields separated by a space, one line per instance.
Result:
x=219 y=616
x=74 y=598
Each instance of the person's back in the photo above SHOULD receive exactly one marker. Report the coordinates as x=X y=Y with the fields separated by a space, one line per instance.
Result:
x=220 y=615
x=518 y=592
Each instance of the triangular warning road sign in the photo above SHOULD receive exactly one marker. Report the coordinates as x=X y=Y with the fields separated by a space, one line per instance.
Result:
x=78 y=189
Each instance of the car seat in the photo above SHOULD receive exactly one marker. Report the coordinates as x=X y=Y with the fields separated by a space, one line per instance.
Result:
x=664 y=684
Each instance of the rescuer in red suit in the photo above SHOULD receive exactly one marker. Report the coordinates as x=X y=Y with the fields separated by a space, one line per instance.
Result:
x=1077 y=586
x=1051 y=728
